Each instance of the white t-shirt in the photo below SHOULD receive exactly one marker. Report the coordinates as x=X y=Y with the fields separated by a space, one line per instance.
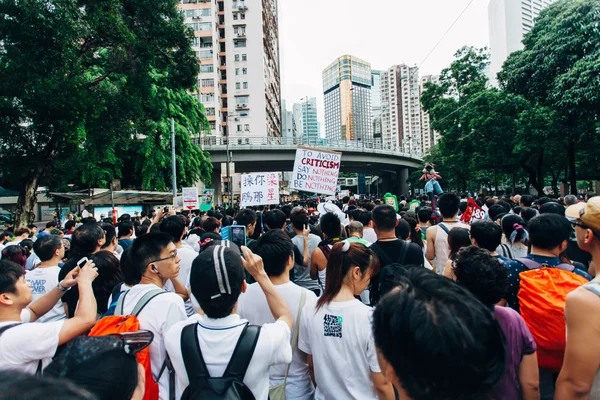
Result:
x=158 y=316
x=187 y=256
x=253 y=306
x=32 y=261
x=218 y=337
x=340 y=339
x=42 y=281
x=302 y=274
x=369 y=235
x=23 y=346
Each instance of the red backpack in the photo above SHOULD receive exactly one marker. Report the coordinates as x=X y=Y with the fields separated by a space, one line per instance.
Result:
x=542 y=297
x=119 y=323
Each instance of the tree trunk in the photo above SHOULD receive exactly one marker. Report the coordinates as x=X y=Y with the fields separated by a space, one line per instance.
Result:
x=27 y=194
x=572 y=172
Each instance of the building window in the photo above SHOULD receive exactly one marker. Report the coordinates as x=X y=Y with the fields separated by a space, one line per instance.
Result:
x=247 y=127
x=239 y=128
x=206 y=68
x=242 y=16
x=244 y=57
x=237 y=86
x=235 y=16
x=237 y=71
x=208 y=82
x=245 y=85
x=241 y=100
x=244 y=71
x=239 y=43
x=210 y=112
x=213 y=125
x=237 y=57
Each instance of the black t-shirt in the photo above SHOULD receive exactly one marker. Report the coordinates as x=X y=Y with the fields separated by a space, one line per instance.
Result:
x=71 y=297
x=394 y=251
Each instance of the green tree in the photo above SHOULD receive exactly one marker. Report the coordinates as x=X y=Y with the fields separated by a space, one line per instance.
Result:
x=91 y=85
x=558 y=70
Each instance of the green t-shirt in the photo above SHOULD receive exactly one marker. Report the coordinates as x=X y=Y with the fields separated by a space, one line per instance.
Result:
x=359 y=240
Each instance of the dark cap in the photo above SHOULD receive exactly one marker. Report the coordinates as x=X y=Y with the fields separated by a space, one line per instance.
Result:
x=216 y=272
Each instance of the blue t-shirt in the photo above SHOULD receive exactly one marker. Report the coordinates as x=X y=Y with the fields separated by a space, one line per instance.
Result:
x=514 y=268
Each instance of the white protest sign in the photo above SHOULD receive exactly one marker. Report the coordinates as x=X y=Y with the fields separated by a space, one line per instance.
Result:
x=316 y=170
x=260 y=188
x=190 y=198
x=178 y=202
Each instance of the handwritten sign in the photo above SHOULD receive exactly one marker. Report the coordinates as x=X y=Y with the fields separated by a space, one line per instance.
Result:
x=260 y=188
x=316 y=170
x=190 y=198
x=206 y=201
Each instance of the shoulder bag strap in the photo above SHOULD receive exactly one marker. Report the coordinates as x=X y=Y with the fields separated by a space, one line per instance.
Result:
x=593 y=287
x=444 y=227
x=168 y=365
x=530 y=264
x=295 y=332
x=240 y=359
x=566 y=267
x=120 y=304
x=195 y=367
x=145 y=300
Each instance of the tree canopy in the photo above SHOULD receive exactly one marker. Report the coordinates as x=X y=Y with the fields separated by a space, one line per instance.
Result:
x=87 y=90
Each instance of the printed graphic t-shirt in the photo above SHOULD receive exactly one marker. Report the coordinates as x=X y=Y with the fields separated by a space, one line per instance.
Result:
x=42 y=281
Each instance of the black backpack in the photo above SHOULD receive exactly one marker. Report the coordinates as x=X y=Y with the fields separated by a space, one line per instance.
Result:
x=228 y=387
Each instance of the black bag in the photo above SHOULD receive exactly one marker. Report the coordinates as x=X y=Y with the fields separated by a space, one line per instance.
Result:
x=384 y=260
x=228 y=387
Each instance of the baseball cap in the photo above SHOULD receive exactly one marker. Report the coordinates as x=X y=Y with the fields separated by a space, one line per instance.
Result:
x=590 y=214
x=217 y=272
x=572 y=212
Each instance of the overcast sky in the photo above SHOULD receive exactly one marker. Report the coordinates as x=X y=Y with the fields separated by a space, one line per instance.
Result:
x=382 y=32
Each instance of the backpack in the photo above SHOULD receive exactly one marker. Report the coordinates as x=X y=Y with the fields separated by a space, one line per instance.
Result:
x=542 y=297
x=115 y=295
x=231 y=385
x=119 y=323
x=38 y=371
x=384 y=260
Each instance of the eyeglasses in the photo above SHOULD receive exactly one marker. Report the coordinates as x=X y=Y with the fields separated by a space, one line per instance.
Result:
x=171 y=257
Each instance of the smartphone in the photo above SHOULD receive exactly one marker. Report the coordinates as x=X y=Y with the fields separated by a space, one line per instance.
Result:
x=166 y=210
x=82 y=262
x=237 y=235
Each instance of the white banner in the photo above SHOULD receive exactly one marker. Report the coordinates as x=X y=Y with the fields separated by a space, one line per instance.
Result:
x=260 y=188
x=316 y=170
x=190 y=198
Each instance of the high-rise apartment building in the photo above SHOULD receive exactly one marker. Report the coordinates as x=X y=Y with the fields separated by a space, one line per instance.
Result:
x=509 y=20
x=288 y=129
x=429 y=137
x=400 y=109
x=308 y=127
x=376 y=103
x=347 y=93
x=237 y=45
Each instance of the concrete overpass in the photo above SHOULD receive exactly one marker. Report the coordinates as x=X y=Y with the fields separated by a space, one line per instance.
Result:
x=278 y=154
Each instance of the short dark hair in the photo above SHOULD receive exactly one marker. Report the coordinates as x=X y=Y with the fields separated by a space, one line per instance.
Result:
x=24 y=386
x=173 y=226
x=46 y=246
x=528 y=214
x=402 y=229
x=274 y=219
x=51 y=224
x=448 y=203
x=497 y=210
x=70 y=224
x=10 y=273
x=488 y=234
x=442 y=342
x=275 y=247
x=210 y=224
x=85 y=239
x=140 y=253
x=526 y=200
x=384 y=217
x=552 y=207
x=109 y=275
x=457 y=239
x=508 y=224
x=110 y=233
x=365 y=217
x=548 y=231
x=246 y=217
x=299 y=218
x=125 y=227
x=483 y=275
x=331 y=225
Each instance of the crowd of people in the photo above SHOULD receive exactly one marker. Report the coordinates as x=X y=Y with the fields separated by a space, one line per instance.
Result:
x=349 y=299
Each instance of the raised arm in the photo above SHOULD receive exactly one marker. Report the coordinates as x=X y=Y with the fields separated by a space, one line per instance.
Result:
x=45 y=303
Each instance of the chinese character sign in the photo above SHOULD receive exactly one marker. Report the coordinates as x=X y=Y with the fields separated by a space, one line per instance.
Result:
x=316 y=170
x=260 y=188
x=190 y=198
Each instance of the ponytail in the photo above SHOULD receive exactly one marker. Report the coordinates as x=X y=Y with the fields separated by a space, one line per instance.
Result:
x=343 y=257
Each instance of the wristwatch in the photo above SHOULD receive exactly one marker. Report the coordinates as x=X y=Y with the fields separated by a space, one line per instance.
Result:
x=62 y=289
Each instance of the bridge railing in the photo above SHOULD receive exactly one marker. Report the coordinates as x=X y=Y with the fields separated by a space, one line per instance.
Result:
x=209 y=142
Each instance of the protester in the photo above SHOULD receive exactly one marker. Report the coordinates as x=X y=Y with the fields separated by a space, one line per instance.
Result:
x=217 y=280
x=366 y=218
x=355 y=230
x=109 y=276
x=515 y=237
x=27 y=345
x=388 y=248
x=457 y=239
x=339 y=333
x=44 y=277
x=148 y=264
x=579 y=376
x=332 y=229
x=487 y=279
x=306 y=243
x=18 y=385
x=247 y=217
x=124 y=233
x=276 y=250
x=437 y=236
x=436 y=341
x=20 y=234
x=16 y=254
